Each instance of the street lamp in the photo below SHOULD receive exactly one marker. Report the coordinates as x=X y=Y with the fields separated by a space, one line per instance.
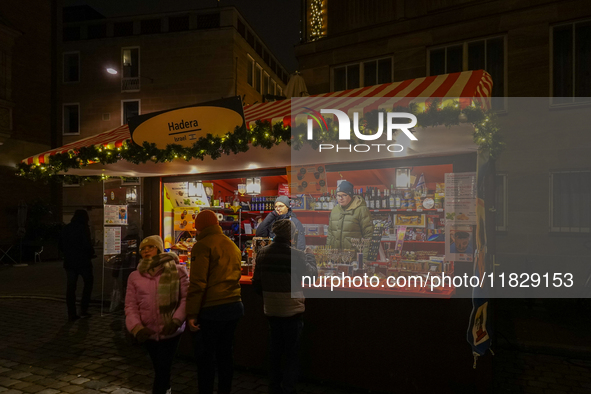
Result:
x=111 y=70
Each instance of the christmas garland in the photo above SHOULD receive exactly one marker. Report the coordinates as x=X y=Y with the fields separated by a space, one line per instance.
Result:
x=263 y=134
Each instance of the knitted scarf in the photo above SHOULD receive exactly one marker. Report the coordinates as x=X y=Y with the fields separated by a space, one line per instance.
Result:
x=168 y=286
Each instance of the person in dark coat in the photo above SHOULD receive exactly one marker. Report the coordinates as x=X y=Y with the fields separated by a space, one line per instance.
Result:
x=278 y=278
x=282 y=211
x=78 y=253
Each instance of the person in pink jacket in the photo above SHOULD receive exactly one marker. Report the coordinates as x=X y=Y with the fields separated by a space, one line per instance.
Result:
x=155 y=307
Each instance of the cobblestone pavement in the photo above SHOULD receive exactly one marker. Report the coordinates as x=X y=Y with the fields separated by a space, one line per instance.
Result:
x=41 y=353
x=518 y=372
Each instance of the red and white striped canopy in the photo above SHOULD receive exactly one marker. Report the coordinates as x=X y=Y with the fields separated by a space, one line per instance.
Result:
x=465 y=86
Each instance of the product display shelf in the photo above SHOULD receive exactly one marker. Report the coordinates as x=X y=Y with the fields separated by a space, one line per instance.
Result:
x=413 y=242
x=401 y=210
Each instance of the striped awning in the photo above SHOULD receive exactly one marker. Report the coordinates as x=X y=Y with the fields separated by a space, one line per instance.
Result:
x=465 y=86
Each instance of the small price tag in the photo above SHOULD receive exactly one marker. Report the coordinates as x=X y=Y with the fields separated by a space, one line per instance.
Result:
x=419 y=210
x=439 y=209
x=409 y=210
x=394 y=210
x=376 y=210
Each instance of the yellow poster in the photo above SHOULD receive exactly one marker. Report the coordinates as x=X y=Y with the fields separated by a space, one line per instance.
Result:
x=184 y=219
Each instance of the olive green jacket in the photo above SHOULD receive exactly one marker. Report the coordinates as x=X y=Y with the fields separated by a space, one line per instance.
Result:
x=353 y=221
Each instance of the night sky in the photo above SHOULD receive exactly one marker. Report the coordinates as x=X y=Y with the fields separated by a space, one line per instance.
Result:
x=277 y=22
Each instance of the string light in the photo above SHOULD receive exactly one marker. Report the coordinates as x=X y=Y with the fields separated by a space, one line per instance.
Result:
x=486 y=136
x=316 y=20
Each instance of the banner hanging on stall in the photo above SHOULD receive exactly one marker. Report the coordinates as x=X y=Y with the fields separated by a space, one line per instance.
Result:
x=479 y=334
x=184 y=126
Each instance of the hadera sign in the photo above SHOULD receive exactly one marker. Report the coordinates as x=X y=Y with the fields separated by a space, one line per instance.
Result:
x=345 y=130
x=184 y=126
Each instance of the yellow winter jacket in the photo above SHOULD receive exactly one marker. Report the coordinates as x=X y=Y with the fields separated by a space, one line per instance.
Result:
x=215 y=271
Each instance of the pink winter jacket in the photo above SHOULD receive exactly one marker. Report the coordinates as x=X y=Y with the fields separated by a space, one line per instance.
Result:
x=141 y=305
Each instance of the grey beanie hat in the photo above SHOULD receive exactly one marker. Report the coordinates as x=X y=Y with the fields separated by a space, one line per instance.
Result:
x=345 y=187
x=284 y=200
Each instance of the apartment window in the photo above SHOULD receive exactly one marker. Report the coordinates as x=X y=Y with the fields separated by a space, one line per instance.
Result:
x=129 y=109
x=273 y=88
x=259 y=48
x=257 y=78
x=487 y=54
x=571 y=57
x=71 y=33
x=501 y=202
x=241 y=28
x=178 y=23
x=121 y=29
x=279 y=91
x=97 y=31
x=150 y=26
x=273 y=65
x=250 y=70
x=208 y=21
x=72 y=67
x=130 y=78
x=71 y=119
x=367 y=73
x=570 y=201
x=250 y=38
x=265 y=83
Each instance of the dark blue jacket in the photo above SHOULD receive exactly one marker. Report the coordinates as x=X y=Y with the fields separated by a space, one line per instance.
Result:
x=264 y=229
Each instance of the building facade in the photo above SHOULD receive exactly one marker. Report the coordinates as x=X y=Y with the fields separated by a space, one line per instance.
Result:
x=537 y=49
x=27 y=118
x=116 y=68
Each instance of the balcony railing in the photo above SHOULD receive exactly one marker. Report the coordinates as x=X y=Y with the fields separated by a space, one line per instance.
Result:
x=130 y=84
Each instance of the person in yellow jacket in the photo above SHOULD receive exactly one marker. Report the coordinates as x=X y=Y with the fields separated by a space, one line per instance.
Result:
x=213 y=303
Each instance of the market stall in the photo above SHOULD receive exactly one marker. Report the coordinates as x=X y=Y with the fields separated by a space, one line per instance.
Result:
x=376 y=344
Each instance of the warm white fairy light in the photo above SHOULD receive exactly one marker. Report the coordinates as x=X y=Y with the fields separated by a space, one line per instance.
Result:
x=316 y=19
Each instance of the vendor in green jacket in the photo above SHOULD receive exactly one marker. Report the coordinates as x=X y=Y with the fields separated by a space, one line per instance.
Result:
x=349 y=219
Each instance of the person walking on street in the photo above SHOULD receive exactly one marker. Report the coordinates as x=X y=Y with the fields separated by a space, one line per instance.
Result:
x=278 y=277
x=282 y=211
x=78 y=254
x=155 y=307
x=214 y=303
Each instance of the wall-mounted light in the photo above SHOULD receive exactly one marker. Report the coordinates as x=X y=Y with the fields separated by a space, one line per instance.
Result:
x=111 y=70
x=253 y=186
x=402 y=178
